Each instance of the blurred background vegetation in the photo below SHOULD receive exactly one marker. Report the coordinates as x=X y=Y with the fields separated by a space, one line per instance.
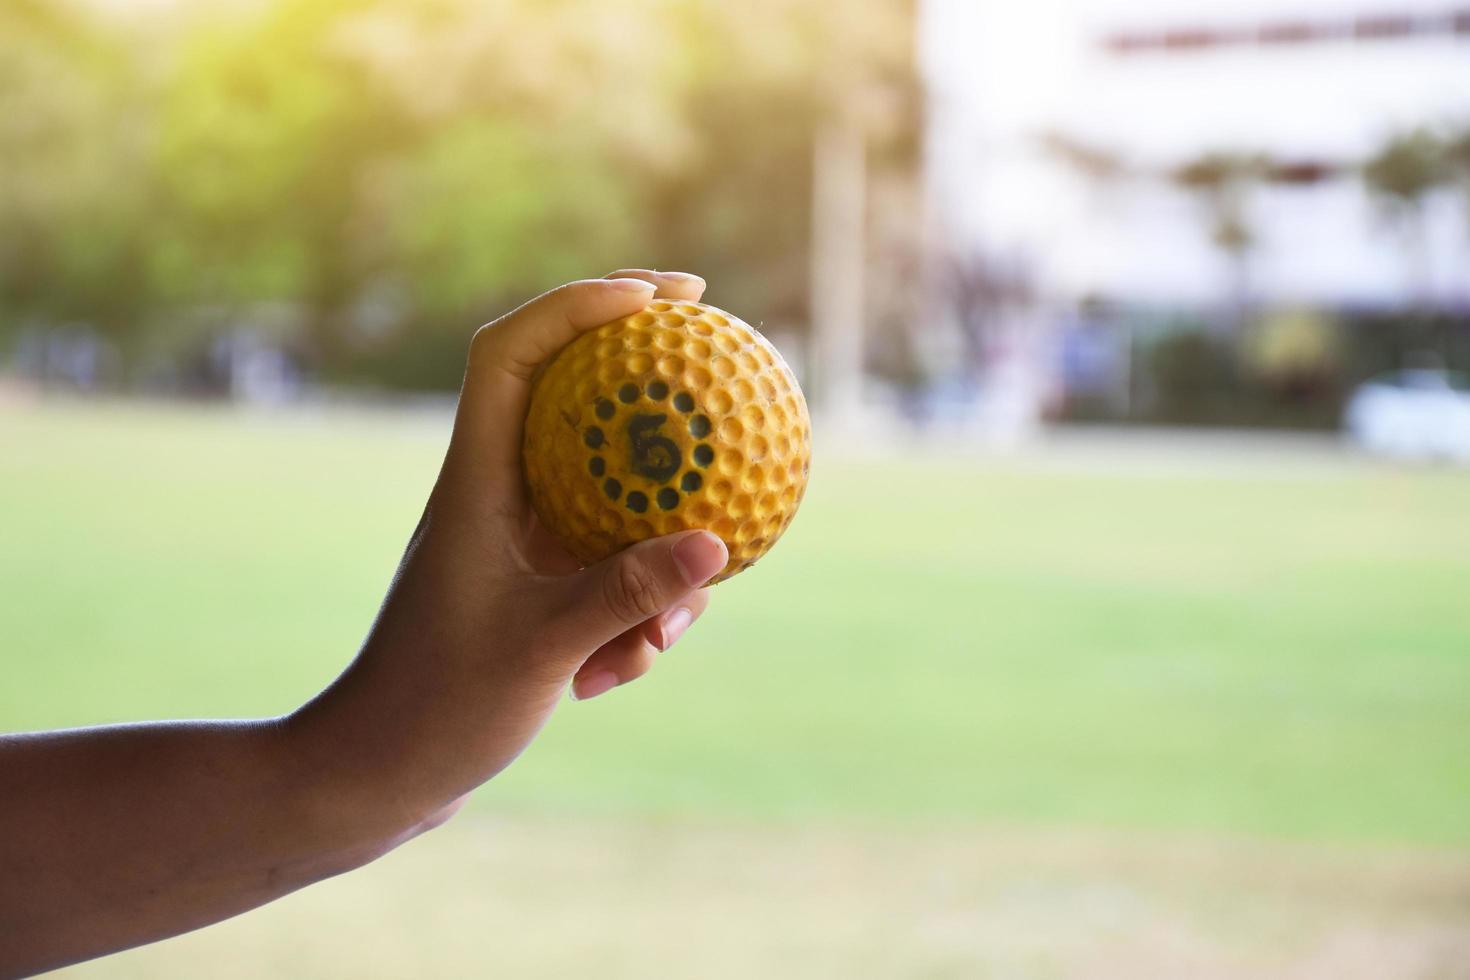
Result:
x=353 y=185
x=364 y=181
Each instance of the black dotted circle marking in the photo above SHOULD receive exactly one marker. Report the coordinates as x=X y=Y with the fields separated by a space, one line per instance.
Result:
x=612 y=488
x=658 y=391
x=699 y=427
x=704 y=455
x=605 y=409
x=691 y=481
x=596 y=466
x=592 y=437
x=668 y=498
x=628 y=394
x=637 y=502
x=684 y=401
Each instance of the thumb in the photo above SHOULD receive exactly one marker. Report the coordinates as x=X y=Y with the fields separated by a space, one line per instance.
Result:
x=640 y=582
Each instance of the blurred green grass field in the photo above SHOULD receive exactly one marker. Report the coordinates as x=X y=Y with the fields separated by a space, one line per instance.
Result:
x=1026 y=718
x=1255 y=653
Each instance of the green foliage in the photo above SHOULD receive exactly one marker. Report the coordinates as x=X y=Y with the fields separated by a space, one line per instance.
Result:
x=1194 y=378
x=1223 y=182
x=74 y=183
x=479 y=190
x=1408 y=166
x=451 y=156
x=270 y=134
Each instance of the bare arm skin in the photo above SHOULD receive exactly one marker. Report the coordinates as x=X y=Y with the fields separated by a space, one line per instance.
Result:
x=112 y=837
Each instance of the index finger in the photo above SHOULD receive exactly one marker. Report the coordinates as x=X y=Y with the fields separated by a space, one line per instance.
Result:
x=670 y=285
x=505 y=354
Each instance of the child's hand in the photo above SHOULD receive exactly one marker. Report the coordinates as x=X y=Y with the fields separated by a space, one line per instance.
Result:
x=489 y=619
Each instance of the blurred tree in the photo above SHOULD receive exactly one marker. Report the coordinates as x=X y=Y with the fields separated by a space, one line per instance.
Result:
x=695 y=154
x=270 y=133
x=1194 y=380
x=1457 y=161
x=75 y=180
x=1401 y=175
x=1222 y=182
x=1294 y=361
x=754 y=81
x=378 y=176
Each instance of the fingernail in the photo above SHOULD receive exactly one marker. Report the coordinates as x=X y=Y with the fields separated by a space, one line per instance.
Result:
x=681 y=276
x=699 y=557
x=587 y=688
x=631 y=285
x=674 y=626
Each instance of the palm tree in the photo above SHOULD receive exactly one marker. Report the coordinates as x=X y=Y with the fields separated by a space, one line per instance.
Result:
x=1401 y=176
x=1222 y=182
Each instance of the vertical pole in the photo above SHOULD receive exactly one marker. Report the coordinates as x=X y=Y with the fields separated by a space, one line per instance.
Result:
x=837 y=266
x=1130 y=371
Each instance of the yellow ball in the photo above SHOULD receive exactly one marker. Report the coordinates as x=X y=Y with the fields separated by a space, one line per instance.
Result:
x=679 y=416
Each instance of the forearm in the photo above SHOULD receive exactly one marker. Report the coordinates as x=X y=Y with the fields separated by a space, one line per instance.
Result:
x=436 y=672
x=115 y=836
x=111 y=837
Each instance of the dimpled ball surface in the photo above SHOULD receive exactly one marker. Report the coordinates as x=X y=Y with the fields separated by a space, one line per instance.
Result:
x=679 y=416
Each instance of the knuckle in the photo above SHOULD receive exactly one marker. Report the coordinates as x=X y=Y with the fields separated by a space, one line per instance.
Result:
x=482 y=341
x=631 y=591
x=498 y=346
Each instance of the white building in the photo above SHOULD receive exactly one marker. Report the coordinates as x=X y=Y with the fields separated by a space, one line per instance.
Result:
x=999 y=74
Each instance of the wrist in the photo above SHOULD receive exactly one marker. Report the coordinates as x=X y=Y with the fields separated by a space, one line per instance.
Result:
x=342 y=808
